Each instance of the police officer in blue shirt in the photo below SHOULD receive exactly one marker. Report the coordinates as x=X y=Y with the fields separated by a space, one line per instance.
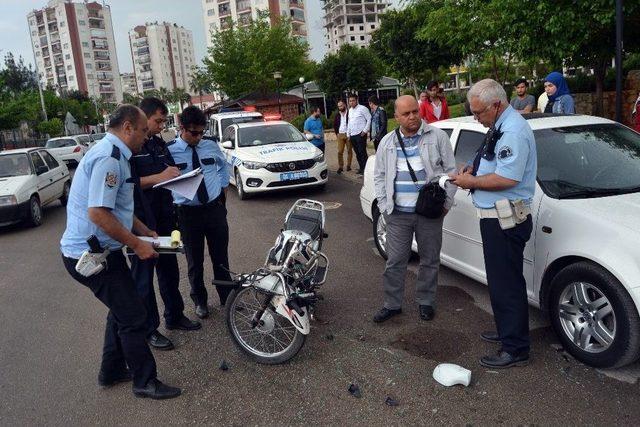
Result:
x=206 y=215
x=151 y=165
x=101 y=205
x=502 y=180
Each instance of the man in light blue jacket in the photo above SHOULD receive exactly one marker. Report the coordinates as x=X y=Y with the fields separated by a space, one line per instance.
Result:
x=428 y=150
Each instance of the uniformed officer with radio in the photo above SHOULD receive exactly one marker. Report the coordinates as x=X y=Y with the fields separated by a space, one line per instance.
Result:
x=151 y=165
x=502 y=180
x=204 y=217
x=100 y=221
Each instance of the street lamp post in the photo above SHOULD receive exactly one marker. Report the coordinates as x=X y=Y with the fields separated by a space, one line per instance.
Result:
x=304 y=95
x=277 y=75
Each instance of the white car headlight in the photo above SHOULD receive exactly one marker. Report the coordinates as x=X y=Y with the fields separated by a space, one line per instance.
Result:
x=8 y=200
x=254 y=165
x=319 y=158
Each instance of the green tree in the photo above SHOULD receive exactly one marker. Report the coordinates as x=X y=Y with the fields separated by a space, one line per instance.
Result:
x=53 y=127
x=242 y=59
x=350 y=69
x=180 y=96
x=128 y=98
x=409 y=57
x=16 y=77
x=200 y=82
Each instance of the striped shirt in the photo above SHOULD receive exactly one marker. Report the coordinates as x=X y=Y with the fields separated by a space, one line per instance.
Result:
x=406 y=191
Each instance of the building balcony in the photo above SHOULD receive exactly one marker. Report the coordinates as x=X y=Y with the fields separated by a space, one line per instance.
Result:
x=148 y=85
x=296 y=3
x=98 y=57
x=62 y=82
x=99 y=25
x=223 y=1
x=102 y=77
x=45 y=54
x=100 y=47
x=97 y=33
x=56 y=50
x=244 y=9
x=144 y=59
x=106 y=88
x=103 y=67
x=94 y=14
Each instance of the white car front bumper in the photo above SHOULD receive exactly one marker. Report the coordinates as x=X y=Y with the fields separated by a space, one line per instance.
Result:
x=259 y=180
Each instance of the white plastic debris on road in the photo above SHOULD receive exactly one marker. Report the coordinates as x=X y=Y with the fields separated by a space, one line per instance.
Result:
x=449 y=374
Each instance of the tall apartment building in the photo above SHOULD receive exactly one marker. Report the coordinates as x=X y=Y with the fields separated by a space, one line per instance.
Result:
x=129 y=84
x=351 y=21
x=218 y=12
x=163 y=56
x=74 y=48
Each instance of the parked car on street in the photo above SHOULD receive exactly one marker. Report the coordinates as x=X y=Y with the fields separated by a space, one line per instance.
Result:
x=70 y=149
x=267 y=156
x=95 y=137
x=30 y=178
x=582 y=263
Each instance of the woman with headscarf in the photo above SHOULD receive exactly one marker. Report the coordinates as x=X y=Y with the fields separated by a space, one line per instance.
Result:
x=560 y=99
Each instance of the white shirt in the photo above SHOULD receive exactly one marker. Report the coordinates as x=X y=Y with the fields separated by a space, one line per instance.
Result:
x=543 y=99
x=343 y=123
x=359 y=120
x=437 y=109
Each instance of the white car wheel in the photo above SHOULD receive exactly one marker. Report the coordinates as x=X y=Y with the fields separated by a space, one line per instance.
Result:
x=380 y=232
x=241 y=193
x=35 y=212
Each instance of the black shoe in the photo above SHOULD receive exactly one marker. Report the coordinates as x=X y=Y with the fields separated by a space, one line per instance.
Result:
x=339 y=171
x=155 y=389
x=385 y=314
x=427 y=312
x=504 y=360
x=202 y=311
x=159 y=341
x=490 y=336
x=348 y=168
x=360 y=172
x=185 y=324
x=109 y=380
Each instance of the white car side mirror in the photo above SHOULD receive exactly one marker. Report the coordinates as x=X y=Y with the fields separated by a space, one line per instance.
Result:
x=228 y=145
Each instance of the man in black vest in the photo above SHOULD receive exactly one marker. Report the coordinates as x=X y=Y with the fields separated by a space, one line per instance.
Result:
x=153 y=164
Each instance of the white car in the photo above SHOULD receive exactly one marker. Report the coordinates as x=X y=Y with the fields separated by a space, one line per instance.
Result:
x=267 y=156
x=582 y=263
x=220 y=121
x=70 y=149
x=30 y=178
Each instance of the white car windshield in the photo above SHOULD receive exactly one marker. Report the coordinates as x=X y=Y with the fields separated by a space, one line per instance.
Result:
x=14 y=165
x=271 y=134
x=588 y=161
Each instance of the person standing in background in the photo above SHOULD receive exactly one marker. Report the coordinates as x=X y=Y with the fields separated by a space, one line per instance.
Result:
x=522 y=102
x=435 y=108
x=378 y=121
x=560 y=99
x=359 y=125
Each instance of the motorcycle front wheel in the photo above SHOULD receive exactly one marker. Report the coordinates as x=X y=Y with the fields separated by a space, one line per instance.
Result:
x=273 y=341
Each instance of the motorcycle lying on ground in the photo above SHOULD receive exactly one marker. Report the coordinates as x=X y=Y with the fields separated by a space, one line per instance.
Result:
x=269 y=311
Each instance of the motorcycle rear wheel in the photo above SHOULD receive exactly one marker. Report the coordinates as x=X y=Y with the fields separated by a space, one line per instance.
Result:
x=275 y=340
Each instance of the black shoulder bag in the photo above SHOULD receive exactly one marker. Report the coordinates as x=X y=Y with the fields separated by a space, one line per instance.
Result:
x=431 y=196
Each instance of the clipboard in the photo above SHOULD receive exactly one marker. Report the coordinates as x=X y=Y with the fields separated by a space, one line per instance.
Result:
x=162 y=245
x=185 y=185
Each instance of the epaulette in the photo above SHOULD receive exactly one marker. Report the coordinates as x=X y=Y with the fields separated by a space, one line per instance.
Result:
x=171 y=143
x=115 y=153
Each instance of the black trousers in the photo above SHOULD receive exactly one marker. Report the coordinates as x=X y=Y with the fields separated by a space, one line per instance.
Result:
x=198 y=223
x=503 y=258
x=166 y=267
x=359 y=144
x=125 y=334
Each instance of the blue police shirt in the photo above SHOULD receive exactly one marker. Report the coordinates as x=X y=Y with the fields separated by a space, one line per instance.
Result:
x=515 y=158
x=214 y=167
x=314 y=126
x=100 y=181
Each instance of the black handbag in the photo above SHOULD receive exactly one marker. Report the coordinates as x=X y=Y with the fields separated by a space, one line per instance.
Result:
x=431 y=196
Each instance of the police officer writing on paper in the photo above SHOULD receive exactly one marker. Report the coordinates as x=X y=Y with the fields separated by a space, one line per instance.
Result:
x=206 y=215
x=409 y=163
x=100 y=221
x=154 y=207
x=502 y=181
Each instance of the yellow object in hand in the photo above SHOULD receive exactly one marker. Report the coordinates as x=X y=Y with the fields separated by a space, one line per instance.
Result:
x=175 y=239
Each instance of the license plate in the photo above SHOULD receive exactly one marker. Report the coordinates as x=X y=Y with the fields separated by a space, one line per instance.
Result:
x=288 y=176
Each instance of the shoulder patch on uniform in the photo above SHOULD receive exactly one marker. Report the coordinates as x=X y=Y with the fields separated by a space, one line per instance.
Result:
x=505 y=152
x=111 y=180
x=115 y=152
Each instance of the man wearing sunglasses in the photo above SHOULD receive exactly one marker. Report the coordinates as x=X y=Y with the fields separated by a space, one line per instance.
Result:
x=152 y=165
x=206 y=215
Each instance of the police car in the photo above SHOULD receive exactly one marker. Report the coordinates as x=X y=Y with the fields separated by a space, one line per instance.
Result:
x=30 y=178
x=220 y=121
x=582 y=263
x=267 y=156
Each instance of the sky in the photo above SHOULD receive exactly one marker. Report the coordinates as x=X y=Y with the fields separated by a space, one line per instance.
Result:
x=126 y=14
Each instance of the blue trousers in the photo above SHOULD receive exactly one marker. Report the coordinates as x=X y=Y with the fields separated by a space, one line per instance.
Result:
x=503 y=259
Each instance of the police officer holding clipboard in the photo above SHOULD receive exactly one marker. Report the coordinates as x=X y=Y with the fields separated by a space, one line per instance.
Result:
x=502 y=181
x=100 y=221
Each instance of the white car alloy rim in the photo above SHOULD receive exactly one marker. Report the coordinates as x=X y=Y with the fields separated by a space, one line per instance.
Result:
x=36 y=212
x=587 y=317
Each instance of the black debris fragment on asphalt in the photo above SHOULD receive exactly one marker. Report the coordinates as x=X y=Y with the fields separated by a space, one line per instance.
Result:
x=390 y=401
x=224 y=366
x=355 y=391
x=329 y=336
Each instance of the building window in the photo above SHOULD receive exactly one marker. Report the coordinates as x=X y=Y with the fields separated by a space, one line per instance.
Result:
x=211 y=12
x=65 y=46
x=67 y=56
x=61 y=24
x=361 y=37
x=353 y=38
x=71 y=78
x=85 y=44
x=373 y=26
x=69 y=67
x=34 y=33
x=89 y=66
x=81 y=22
x=87 y=55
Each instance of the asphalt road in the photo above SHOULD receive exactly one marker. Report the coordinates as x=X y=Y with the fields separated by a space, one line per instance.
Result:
x=51 y=337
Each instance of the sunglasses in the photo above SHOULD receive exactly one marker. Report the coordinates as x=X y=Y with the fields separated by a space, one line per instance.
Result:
x=195 y=132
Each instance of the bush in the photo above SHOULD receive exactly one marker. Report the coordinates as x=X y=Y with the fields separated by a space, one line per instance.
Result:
x=390 y=108
x=53 y=127
x=455 y=97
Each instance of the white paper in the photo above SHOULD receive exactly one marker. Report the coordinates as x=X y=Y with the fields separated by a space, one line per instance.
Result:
x=185 y=185
x=161 y=242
